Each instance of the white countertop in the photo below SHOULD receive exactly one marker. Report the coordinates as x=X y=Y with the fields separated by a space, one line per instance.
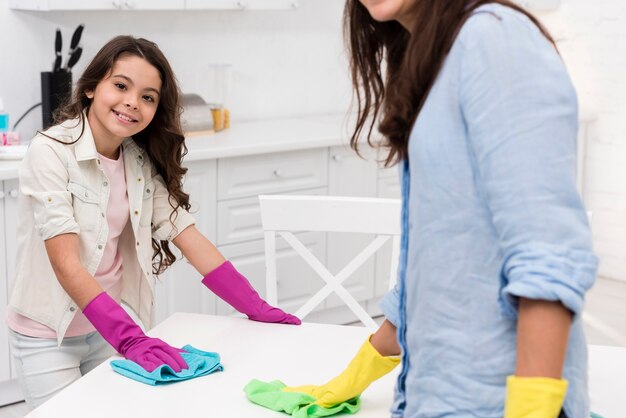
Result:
x=255 y=137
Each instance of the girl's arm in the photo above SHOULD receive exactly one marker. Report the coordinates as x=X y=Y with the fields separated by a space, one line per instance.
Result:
x=200 y=252
x=63 y=252
x=221 y=277
x=106 y=315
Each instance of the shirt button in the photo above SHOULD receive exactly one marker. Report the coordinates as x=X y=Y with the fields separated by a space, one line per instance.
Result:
x=105 y=184
x=147 y=190
x=137 y=243
x=49 y=199
x=98 y=161
x=72 y=309
x=102 y=214
x=99 y=247
x=140 y=157
x=139 y=179
x=136 y=212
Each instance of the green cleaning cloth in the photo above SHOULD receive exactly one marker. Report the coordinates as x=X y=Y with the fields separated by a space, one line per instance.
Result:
x=298 y=405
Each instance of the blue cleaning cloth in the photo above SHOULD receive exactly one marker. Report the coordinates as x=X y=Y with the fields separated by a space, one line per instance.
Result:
x=200 y=363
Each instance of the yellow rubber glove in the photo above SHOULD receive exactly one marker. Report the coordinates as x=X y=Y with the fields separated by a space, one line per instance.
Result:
x=367 y=366
x=534 y=397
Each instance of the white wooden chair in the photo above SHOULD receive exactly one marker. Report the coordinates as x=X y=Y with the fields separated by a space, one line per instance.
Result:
x=285 y=214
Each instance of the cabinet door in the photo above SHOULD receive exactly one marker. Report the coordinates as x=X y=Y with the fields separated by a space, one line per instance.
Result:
x=351 y=175
x=48 y=5
x=180 y=289
x=242 y=4
x=278 y=172
x=8 y=247
x=388 y=187
x=297 y=282
x=11 y=189
x=5 y=362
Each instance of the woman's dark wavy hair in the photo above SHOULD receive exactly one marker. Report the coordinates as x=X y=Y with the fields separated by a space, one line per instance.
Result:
x=413 y=61
x=162 y=139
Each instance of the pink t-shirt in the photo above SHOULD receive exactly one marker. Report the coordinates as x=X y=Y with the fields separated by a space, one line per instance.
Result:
x=109 y=272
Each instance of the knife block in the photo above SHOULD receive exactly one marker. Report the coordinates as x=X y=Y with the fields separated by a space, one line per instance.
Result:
x=56 y=87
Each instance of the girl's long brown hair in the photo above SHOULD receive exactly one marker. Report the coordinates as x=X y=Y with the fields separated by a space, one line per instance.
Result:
x=413 y=61
x=162 y=139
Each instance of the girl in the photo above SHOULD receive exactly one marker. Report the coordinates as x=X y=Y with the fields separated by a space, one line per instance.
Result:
x=100 y=198
x=478 y=111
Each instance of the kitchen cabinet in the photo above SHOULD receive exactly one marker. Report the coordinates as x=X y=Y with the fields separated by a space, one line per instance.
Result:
x=241 y=4
x=351 y=175
x=240 y=234
x=67 y=5
x=233 y=212
x=129 y=5
x=9 y=389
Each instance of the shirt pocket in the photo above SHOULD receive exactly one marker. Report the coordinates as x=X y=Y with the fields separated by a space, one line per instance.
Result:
x=147 y=204
x=86 y=206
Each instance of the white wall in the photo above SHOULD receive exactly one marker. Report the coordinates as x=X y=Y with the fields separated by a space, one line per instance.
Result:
x=592 y=39
x=284 y=63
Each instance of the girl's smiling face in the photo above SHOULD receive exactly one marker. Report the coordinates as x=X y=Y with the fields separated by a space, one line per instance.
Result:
x=124 y=102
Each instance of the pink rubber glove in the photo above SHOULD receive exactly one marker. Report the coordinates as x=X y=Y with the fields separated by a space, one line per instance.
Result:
x=119 y=330
x=230 y=285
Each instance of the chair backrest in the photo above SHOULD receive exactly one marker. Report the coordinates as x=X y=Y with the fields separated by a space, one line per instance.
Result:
x=285 y=214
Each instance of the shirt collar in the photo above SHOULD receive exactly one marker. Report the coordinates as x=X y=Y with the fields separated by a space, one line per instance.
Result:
x=85 y=148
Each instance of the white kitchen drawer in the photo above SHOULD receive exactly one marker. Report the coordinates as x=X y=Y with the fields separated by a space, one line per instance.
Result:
x=239 y=220
x=271 y=173
x=390 y=172
x=389 y=188
x=241 y=4
x=54 y=5
x=296 y=280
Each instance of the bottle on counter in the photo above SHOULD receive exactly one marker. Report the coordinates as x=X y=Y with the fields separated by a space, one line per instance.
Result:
x=4 y=123
x=6 y=137
x=217 y=111
x=4 y=118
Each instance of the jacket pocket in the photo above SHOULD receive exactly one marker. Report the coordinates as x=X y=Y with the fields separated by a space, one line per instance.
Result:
x=147 y=204
x=86 y=206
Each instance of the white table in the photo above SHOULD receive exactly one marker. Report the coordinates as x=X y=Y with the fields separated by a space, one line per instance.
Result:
x=607 y=380
x=292 y=354
x=267 y=352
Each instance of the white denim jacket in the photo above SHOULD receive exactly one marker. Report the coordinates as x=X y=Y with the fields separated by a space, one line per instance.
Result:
x=63 y=189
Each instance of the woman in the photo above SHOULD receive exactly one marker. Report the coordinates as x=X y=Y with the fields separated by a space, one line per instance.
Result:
x=478 y=111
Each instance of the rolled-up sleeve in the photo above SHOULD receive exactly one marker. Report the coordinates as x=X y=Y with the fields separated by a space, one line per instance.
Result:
x=43 y=180
x=390 y=305
x=166 y=226
x=521 y=114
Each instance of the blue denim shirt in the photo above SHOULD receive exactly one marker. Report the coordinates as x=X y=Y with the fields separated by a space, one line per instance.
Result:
x=490 y=214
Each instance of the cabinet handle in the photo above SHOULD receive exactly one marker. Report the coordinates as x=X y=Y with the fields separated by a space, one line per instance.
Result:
x=295 y=5
x=13 y=193
x=337 y=157
x=278 y=172
x=241 y=4
x=117 y=4
x=129 y=4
